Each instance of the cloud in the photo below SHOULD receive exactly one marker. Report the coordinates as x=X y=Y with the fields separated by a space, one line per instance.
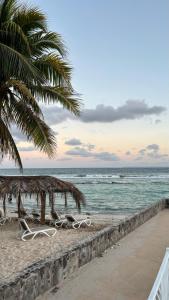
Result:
x=130 y=110
x=78 y=151
x=73 y=142
x=77 y=142
x=153 y=147
x=156 y=155
x=17 y=135
x=106 y=156
x=55 y=115
x=128 y=153
x=89 y=146
x=28 y=148
x=82 y=152
x=151 y=151
x=157 y=121
x=142 y=152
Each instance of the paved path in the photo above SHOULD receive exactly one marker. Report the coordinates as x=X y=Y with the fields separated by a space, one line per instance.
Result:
x=126 y=272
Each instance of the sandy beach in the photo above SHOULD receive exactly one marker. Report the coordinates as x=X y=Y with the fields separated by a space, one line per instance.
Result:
x=17 y=255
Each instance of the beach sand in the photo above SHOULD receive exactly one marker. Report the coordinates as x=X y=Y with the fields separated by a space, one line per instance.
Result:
x=17 y=255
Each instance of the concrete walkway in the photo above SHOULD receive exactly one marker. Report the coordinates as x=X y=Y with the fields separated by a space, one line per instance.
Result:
x=126 y=272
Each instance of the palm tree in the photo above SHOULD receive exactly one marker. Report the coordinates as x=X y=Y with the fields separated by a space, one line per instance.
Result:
x=33 y=70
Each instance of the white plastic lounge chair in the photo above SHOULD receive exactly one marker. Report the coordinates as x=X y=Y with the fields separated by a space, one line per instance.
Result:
x=28 y=232
x=77 y=223
x=57 y=220
x=36 y=216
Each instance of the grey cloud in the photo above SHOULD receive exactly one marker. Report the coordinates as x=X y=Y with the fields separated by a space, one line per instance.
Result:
x=128 y=153
x=73 y=142
x=156 y=155
x=55 y=115
x=18 y=136
x=153 y=147
x=77 y=142
x=157 y=121
x=142 y=151
x=132 y=109
x=28 y=148
x=152 y=151
x=82 y=152
x=106 y=156
x=79 y=151
x=89 y=146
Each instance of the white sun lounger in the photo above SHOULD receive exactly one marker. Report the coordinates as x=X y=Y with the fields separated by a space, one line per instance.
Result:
x=33 y=232
x=77 y=223
x=60 y=222
x=57 y=220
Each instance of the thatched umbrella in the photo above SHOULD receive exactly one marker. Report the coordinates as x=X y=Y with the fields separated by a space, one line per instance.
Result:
x=41 y=187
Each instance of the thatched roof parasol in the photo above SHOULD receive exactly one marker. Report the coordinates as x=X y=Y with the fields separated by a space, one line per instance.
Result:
x=41 y=186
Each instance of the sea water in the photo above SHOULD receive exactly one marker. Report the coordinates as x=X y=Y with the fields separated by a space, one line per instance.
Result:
x=107 y=190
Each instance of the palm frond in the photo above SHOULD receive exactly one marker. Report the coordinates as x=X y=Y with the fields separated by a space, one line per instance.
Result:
x=24 y=94
x=33 y=127
x=30 y=19
x=7 y=144
x=33 y=69
x=14 y=64
x=55 y=69
x=7 y=9
x=41 y=42
x=65 y=96
x=13 y=36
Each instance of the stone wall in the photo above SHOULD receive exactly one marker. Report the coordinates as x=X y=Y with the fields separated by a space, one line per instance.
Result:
x=45 y=274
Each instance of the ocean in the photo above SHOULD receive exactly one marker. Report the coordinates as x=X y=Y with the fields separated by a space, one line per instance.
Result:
x=107 y=190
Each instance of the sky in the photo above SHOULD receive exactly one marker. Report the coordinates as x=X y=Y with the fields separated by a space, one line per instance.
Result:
x=119 y=51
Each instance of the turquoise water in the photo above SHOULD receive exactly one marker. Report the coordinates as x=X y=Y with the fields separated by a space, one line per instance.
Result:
x=106 y=190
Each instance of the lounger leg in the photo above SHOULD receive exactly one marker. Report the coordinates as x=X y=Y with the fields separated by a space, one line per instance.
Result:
x=34 y=234
x=76 y=225
x=88 y=222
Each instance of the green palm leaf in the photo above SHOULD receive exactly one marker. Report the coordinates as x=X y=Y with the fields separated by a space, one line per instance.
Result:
x=7 y=9
x=41 y=42
x=33 y=127
x=14 y=64
x=64 y=96
x=55 y=69
x=30 y=19
x=23 y=93
x=7 y=144
x=33 y=69
x=13 y=36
